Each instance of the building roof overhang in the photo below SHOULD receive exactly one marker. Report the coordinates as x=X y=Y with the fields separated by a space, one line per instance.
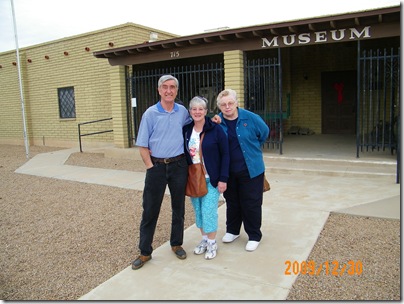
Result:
x=221 y=39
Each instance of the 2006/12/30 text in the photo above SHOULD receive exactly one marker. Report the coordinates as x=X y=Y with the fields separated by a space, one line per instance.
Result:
x=328 y=268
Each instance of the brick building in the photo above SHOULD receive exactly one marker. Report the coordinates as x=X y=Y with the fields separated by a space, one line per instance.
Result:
x=54 y=74
x=334 y=74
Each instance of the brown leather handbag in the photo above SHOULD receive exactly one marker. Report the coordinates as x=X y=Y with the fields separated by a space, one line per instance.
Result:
x=196 y=183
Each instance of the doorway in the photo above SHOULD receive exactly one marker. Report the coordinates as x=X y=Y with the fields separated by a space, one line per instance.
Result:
x=338 y=100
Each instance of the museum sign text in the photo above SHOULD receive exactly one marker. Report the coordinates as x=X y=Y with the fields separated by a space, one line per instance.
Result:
x=317 y=37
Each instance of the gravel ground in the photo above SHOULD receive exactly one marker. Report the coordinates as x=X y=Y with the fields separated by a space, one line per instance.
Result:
x=371 y=244
x=61 y=239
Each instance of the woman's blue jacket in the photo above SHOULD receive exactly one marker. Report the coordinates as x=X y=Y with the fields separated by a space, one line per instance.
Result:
x=215 y=147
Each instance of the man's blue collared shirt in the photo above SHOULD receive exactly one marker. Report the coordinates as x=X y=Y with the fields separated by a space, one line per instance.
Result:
x=161 y=131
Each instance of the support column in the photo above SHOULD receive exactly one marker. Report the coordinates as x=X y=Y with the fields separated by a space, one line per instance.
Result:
x=118 y=106
x=234 y=73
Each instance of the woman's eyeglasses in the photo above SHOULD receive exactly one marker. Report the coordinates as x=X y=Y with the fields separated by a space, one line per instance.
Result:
x=227 y=104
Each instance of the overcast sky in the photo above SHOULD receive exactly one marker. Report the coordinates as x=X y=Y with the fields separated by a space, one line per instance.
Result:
x=39 y=21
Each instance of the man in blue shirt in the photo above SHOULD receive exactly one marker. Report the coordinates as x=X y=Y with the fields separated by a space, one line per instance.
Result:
x=161 y=147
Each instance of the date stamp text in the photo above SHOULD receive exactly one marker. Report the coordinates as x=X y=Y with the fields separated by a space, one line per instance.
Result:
x=334 y=268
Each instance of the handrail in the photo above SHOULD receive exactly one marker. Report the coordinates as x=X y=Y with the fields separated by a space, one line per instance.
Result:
x=87 y=134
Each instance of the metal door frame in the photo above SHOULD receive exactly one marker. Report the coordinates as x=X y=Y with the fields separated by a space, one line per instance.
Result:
x=378 y=101
x=204 y=79
x=263 y=94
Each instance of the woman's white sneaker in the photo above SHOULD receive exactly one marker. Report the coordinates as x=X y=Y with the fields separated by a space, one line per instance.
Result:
x=211 y=251
x=251 y=245
x=228 y=237
x=201 y=248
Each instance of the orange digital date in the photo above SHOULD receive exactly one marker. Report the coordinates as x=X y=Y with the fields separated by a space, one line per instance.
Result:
x=328 y=268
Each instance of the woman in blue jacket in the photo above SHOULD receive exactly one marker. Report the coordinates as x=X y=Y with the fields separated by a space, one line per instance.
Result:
x=216 y=160
x=247 y=133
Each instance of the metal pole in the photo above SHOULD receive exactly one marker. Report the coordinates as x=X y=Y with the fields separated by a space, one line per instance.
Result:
x=19 y=78
x=358 y=92
x=81 y=150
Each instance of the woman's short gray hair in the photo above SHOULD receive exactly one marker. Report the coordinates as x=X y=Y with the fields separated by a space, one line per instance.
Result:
x=164 y=78
x=226 y=92
x=198 y=100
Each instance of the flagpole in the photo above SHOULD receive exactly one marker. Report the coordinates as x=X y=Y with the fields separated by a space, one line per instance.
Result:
x=20 y=82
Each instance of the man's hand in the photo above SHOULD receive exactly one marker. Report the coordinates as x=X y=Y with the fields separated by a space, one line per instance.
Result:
x=145 y=153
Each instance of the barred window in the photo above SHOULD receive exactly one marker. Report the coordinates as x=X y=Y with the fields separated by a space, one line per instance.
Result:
x=67 y=105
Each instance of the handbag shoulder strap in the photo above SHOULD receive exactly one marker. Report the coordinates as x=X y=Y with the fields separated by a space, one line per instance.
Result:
x=200 y=151
x=200 y=144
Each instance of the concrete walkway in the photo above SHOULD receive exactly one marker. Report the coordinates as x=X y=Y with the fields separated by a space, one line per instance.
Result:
x=294 y=213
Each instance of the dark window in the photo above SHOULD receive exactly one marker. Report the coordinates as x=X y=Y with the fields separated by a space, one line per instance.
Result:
x=67 y=105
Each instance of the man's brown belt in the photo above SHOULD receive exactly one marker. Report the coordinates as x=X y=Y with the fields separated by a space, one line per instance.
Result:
x=167 y=160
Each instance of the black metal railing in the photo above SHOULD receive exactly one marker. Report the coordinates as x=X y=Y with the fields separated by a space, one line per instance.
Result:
x=92 y=133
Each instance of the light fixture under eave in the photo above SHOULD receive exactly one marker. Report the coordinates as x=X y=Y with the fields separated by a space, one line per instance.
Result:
x=14 y=63
x=87 y=48
x=66 y=53
x=46 y=57
x=153 y=36
x=29 y=60
x=111 y=44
